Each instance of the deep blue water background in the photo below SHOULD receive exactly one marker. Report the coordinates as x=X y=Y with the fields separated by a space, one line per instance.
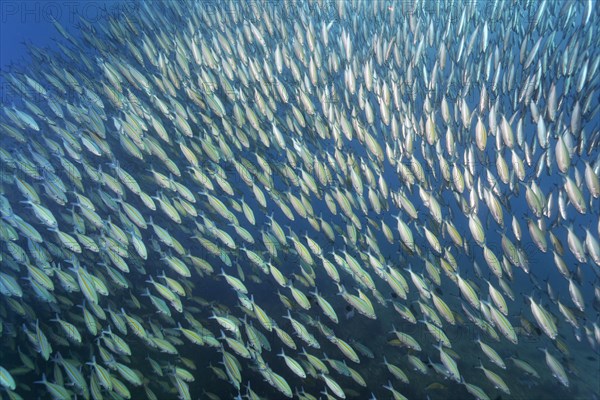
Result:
x=30 y=22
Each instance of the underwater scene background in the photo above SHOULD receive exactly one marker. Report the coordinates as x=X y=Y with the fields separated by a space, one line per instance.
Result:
x=304 y=199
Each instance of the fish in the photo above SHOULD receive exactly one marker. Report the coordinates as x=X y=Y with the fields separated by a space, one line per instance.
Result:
x=293 y=365
x=544 y=320
x=556 y=367
x=496 y=380
x=186 y=160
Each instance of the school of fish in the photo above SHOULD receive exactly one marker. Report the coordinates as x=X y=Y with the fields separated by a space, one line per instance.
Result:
x=304 y=199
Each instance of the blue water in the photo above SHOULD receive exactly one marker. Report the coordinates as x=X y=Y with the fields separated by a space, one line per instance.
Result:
x=24 y=23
